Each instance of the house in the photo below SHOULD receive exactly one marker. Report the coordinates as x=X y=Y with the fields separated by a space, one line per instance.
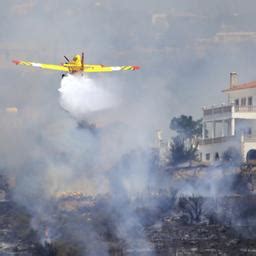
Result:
x=232 y=124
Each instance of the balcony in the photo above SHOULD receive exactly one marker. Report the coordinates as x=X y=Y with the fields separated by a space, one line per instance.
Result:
x=217 y=140
x=217 y=110
x=229 y=111
x=245 y=109
x=245 y=138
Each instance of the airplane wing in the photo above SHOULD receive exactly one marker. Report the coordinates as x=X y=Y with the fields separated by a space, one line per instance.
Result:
x=87 y=67
x=41 y=65
x=102 y=68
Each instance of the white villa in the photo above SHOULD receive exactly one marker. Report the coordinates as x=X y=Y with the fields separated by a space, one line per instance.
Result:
x=232 y=124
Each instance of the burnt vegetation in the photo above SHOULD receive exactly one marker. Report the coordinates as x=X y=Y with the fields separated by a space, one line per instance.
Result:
x=171 y=223
x=191 y=208
x=158 y=220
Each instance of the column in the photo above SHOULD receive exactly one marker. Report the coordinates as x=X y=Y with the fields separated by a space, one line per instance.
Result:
x=232 y=126
x=223 y=128
x=203 y=130
x=213 y=129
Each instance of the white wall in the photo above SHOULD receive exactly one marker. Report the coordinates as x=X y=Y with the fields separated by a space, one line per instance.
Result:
x=242 y=120
x=246 y=147
x=242 y=125
x=217 y=147
x=222 y=147
x=238 y=94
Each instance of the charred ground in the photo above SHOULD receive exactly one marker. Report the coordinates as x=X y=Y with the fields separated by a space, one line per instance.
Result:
x=158 y=222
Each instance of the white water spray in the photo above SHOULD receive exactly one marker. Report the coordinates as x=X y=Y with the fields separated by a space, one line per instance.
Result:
x=82 y=96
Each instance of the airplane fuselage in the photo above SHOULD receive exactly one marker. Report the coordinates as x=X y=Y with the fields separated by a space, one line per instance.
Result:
x=76 y=65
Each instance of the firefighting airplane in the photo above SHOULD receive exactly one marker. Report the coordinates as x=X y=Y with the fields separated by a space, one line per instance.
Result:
x=76 y=66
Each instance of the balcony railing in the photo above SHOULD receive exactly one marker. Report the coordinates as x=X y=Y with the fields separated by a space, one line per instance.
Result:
x=218 y=110
x=216 y=140
x=228 y=109
x=245 y=108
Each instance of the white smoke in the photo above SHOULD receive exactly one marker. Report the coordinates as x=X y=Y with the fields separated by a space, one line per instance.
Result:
x=81 y=96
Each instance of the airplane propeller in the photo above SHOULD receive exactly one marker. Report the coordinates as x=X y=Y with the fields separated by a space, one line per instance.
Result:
x=66 y=58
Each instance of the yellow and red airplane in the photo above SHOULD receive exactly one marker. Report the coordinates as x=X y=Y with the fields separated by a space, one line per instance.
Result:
x=76 y=65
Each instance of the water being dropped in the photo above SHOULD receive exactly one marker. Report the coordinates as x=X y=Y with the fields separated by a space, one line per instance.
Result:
x=80 y=96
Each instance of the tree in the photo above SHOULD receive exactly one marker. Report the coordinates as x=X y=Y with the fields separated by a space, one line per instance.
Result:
x=186 y=127
x=181 y=153
x=191 y=208
x=183 y=148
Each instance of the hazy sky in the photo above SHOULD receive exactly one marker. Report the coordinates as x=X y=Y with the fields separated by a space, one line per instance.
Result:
x=174 y=42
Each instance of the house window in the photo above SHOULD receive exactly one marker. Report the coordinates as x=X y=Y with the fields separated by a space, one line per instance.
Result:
x=243 y=101
x=236 y=102
x=207 y=156
x=249 y=101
